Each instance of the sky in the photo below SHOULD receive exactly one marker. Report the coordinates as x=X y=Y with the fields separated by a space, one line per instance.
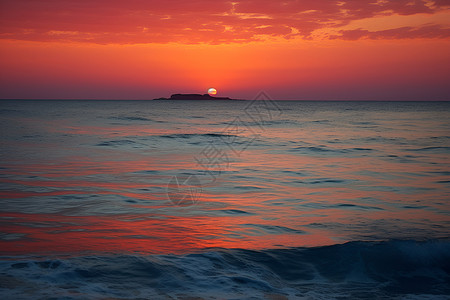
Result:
x=290 y=49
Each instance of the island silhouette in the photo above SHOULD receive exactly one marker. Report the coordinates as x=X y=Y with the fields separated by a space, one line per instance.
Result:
x=194 y=97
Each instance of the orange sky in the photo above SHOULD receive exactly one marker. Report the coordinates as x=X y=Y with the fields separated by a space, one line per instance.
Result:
x=136 y=49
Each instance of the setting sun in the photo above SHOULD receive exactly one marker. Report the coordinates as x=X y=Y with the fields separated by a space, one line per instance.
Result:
x=212 y=91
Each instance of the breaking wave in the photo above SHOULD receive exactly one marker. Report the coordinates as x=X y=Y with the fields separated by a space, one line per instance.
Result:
x=355 y=270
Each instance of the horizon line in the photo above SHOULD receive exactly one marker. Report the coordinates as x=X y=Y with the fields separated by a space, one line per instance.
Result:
x=169 y=100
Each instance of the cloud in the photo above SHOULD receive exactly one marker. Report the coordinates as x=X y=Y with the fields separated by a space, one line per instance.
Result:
x=197 y=21
x=430 y=32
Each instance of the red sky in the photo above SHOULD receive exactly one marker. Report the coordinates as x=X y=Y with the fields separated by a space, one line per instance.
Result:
x=143 y=49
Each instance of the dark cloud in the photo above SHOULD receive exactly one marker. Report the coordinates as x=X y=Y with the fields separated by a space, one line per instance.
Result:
x=149 y=21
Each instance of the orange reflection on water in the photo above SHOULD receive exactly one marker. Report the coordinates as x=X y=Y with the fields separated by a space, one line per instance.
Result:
x=309 y=187
x=144 y=233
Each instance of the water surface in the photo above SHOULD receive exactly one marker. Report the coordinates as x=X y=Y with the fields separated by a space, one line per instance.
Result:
x=84 y=179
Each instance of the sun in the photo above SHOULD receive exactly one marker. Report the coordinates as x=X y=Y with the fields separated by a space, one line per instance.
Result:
x=212 y=91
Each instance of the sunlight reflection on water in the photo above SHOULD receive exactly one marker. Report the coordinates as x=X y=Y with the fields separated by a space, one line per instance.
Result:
x=94 y=177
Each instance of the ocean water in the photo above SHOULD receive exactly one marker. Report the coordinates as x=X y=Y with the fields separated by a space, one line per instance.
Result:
x=224 y=200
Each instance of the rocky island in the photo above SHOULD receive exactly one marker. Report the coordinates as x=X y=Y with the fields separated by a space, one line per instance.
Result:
x=194 y=97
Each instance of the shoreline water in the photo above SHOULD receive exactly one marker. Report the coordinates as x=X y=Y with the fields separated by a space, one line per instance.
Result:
x=354 y=270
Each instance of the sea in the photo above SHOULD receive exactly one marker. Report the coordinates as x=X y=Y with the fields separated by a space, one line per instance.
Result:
x=263 y=199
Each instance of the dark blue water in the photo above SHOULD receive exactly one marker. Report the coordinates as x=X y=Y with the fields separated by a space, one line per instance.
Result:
x=224 y=200
x=356 y=270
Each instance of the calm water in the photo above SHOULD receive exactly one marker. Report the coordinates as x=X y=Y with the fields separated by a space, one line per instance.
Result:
x=224 y=199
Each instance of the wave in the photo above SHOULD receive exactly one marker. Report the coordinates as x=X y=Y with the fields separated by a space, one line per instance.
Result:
x=133 y=143
x=260 y=123
x=116 y=143
x=122 y=143
x=191 y=135
x=7 y=111
x=324 y=149
x=135 y=118
x=131 y=118
x=443 y=149
x=355 y=270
